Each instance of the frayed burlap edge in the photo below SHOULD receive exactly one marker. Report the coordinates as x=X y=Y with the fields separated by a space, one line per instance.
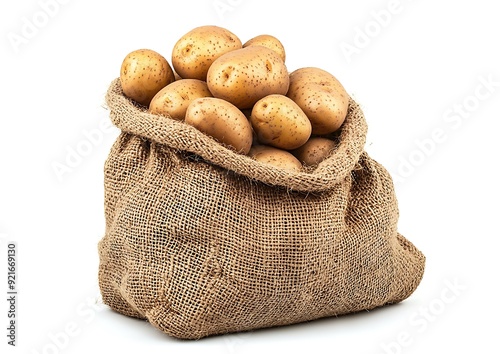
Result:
x=132 y=118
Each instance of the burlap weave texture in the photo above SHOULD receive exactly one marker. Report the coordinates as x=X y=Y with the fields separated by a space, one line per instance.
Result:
x=200 y=240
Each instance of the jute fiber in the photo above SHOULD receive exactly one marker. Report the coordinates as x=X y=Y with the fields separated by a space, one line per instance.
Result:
x=201 y=240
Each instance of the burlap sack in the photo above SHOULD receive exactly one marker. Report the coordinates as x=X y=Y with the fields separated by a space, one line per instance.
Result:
x=201 y=240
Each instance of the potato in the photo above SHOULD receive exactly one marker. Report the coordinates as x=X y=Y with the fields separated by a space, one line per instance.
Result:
x=279 y=122
x=222 y=121
x=174 y=99
x=143 y=73
x=268 y=41
x=314 y=151
x=246 y=75
x=276 y=157
x=322 y=98
x=194 y=52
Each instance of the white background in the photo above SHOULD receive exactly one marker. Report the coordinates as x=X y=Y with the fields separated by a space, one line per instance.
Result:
x=419 y=75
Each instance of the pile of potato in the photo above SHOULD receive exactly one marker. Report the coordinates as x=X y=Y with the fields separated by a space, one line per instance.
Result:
x=242 y=95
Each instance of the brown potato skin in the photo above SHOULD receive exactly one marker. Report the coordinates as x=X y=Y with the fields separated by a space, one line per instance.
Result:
x=246 y=75
x=222 y=121
x=279 y=122
x=322 y=98
x=276 y=157
x=174 y=99
x=315 y=150
x=143 y=73
x=177 y=76
x=268 y=41
x=194 y=52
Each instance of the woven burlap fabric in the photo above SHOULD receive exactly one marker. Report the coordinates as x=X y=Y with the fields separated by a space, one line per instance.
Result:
x=201 y=240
